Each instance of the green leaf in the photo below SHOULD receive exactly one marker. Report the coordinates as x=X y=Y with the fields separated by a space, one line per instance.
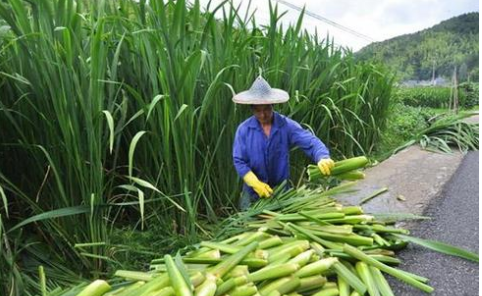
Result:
x=4 y=199
x=110 y=123
x=132 y=149
x=153 y=104
x=441 y=247
x=145 y=184
x=141 y=206
x=393 y=217
x=181 y=110
x=148 y=185
x=53 y=214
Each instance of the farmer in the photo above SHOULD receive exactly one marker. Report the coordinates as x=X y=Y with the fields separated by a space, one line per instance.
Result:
x=262 y=143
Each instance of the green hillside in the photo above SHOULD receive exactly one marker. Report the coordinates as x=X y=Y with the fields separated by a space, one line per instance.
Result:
x=452 y=43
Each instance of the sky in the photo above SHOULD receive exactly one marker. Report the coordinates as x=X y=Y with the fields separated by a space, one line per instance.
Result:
x=376 y=20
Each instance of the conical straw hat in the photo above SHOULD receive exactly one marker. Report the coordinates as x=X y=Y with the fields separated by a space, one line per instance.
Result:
x=261 y=93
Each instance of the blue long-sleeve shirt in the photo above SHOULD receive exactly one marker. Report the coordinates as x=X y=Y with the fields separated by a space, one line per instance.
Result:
x=268 y=157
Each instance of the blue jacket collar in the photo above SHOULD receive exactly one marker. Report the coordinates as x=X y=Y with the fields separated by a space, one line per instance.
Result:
x=278 y=121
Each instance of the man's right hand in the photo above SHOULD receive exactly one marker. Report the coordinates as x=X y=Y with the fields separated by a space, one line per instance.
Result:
x=261 y=188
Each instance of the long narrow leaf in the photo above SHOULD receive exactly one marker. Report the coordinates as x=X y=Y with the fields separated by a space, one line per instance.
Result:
x=441 y=247
x=52 y=215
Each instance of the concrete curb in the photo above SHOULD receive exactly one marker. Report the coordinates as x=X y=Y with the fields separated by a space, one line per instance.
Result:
x=413 y=177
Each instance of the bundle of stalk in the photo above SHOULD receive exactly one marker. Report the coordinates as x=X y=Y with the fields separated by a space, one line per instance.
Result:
x=348 y=169
x=306 y=245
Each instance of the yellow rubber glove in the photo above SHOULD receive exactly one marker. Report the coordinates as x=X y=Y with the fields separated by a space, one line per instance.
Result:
x=261 y=188
x=325 y=165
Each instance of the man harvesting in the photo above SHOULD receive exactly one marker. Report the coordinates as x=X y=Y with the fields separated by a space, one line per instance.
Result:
x=262 y=143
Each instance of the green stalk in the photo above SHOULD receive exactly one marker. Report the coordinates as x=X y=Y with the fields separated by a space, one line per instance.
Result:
x=330 y=285
x=287 y=242
x=352 y=239
x=274 y=293
x=381 y=258
x=348 y=165
x=156 y=283
x=250 y=262
x=221 y=247
x=42 y=279
x=209 y=254
x=235 y=238
x=378 y=251
x=224 y=267
x=381 y=282
x=197 y=279
x=373 y=195
x=96 y=288
x=230 y=284
x=381 y=228
x=333 y=229
x=237 y=271
x=310 y=283
x=316 y=268
x=274 y=285
x=353 y=210
x=303 y=258
x=289 y=286
x=283 y=258
x=386 y=259
x=328 y=292
x=256 y=236
x=167 y=291
x=292 y=249
x=343 y=287
x=414 y=276
x=320 y=251
x=208 y=288
x=379 y=240
x=366 y=276
x=288 y=252
x=295 y=229
x=181 y=287
x=259 y=254
x=351 y=176
x=273 y=272
x=195 y=253
x=123 y=291
x=355 y=219
x=349 y=277
x=385 y=268
x=245 y=290
x=321 y=216
x=134 y=275
x=270 y=242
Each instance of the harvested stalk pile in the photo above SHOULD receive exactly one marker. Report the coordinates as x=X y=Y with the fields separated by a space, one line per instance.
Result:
x=324 y=249
x=301 y=242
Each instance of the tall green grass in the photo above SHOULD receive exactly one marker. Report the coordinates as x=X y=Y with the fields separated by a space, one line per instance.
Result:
x=116 y=111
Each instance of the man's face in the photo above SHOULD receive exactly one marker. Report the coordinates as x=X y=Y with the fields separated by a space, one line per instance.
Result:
x=263 y=113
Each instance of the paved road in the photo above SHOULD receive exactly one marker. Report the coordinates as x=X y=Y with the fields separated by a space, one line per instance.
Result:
x=455 y=220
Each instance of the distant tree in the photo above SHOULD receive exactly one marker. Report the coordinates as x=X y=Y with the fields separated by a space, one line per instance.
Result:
x=463 y=72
